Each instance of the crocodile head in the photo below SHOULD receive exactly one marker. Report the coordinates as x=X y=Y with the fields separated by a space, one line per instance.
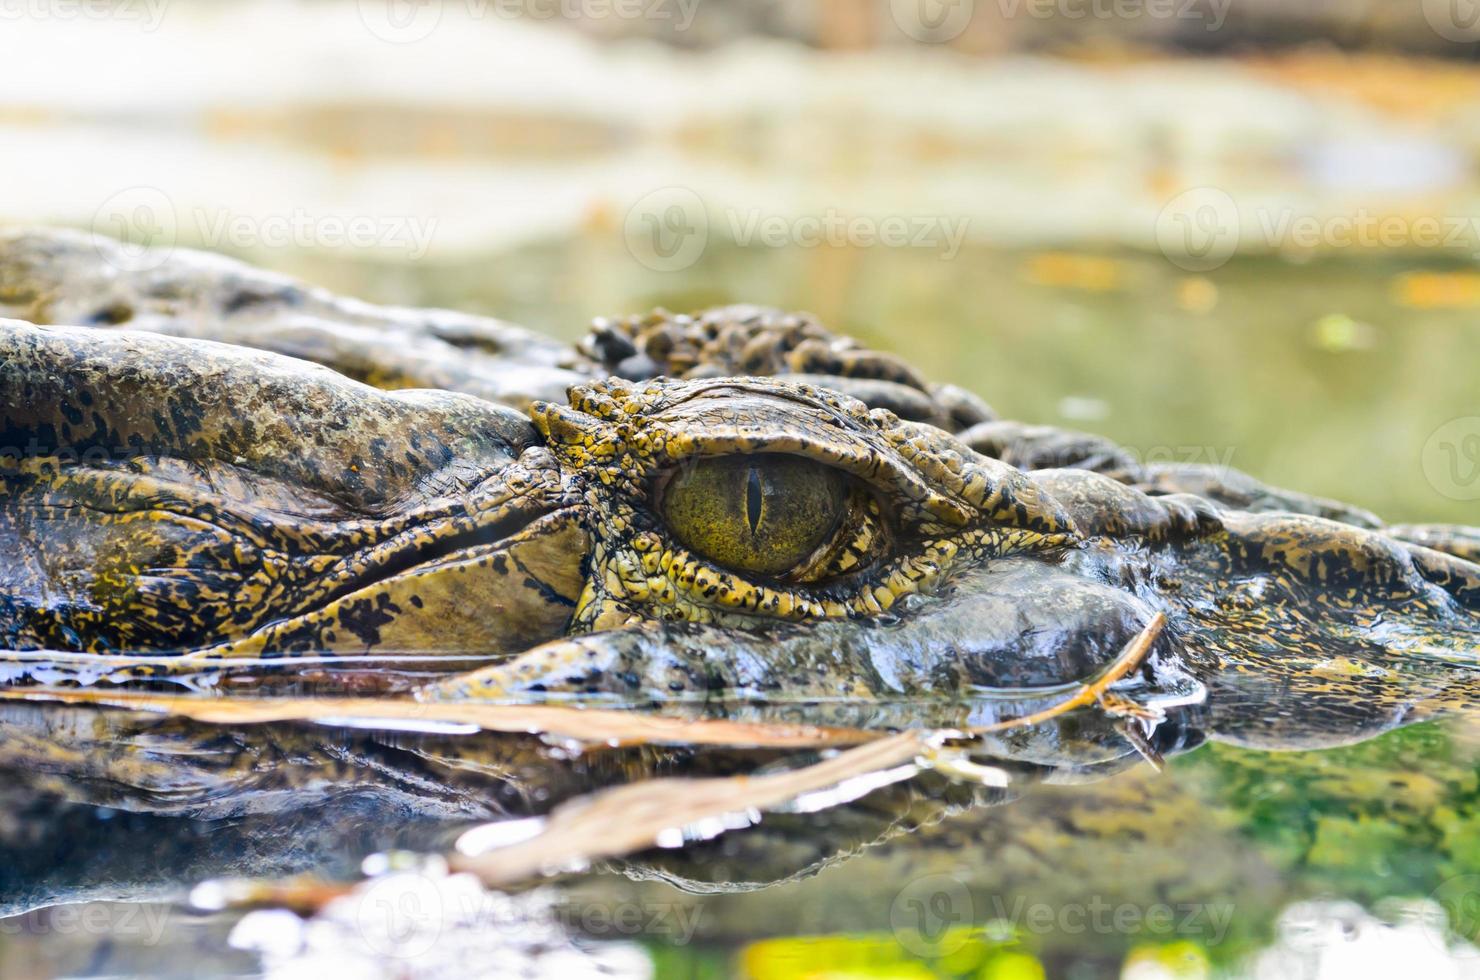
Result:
x=659 y=538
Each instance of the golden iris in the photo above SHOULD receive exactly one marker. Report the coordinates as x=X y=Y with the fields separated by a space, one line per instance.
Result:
x=765 y=513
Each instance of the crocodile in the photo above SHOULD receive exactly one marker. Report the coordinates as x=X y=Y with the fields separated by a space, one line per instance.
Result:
x=207 y=466
x=211 y=475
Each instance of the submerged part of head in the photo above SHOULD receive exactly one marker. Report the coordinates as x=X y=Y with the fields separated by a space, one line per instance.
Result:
x=163 y=496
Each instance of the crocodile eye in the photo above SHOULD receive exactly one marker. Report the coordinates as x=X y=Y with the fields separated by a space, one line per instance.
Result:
x=763 y=513
x=776 y=515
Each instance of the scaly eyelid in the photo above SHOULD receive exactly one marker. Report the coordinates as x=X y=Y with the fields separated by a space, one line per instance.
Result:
x=711 y=427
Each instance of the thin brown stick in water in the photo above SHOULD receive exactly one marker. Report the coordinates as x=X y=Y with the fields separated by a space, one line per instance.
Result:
x=612 y=727
x=609 y=727
x=1130 y=658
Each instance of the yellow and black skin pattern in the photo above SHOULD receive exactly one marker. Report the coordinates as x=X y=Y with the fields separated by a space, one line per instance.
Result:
x=163 y=496
x=821 y=525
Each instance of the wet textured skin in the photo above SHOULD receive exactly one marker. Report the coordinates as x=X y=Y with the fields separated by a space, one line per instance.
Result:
x=164 y=495
x=221 y=504
x=59 y=277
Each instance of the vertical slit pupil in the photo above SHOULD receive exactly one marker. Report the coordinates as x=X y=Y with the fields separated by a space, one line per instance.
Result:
x=753 y=499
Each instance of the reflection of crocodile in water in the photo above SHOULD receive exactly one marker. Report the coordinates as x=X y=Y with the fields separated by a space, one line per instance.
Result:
x=738 y=509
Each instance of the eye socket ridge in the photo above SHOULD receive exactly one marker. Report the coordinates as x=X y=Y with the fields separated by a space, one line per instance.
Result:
x=773 y=515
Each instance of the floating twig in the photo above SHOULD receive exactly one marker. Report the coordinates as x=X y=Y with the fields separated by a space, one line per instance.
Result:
x=595 y=725
x=1092 y=691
